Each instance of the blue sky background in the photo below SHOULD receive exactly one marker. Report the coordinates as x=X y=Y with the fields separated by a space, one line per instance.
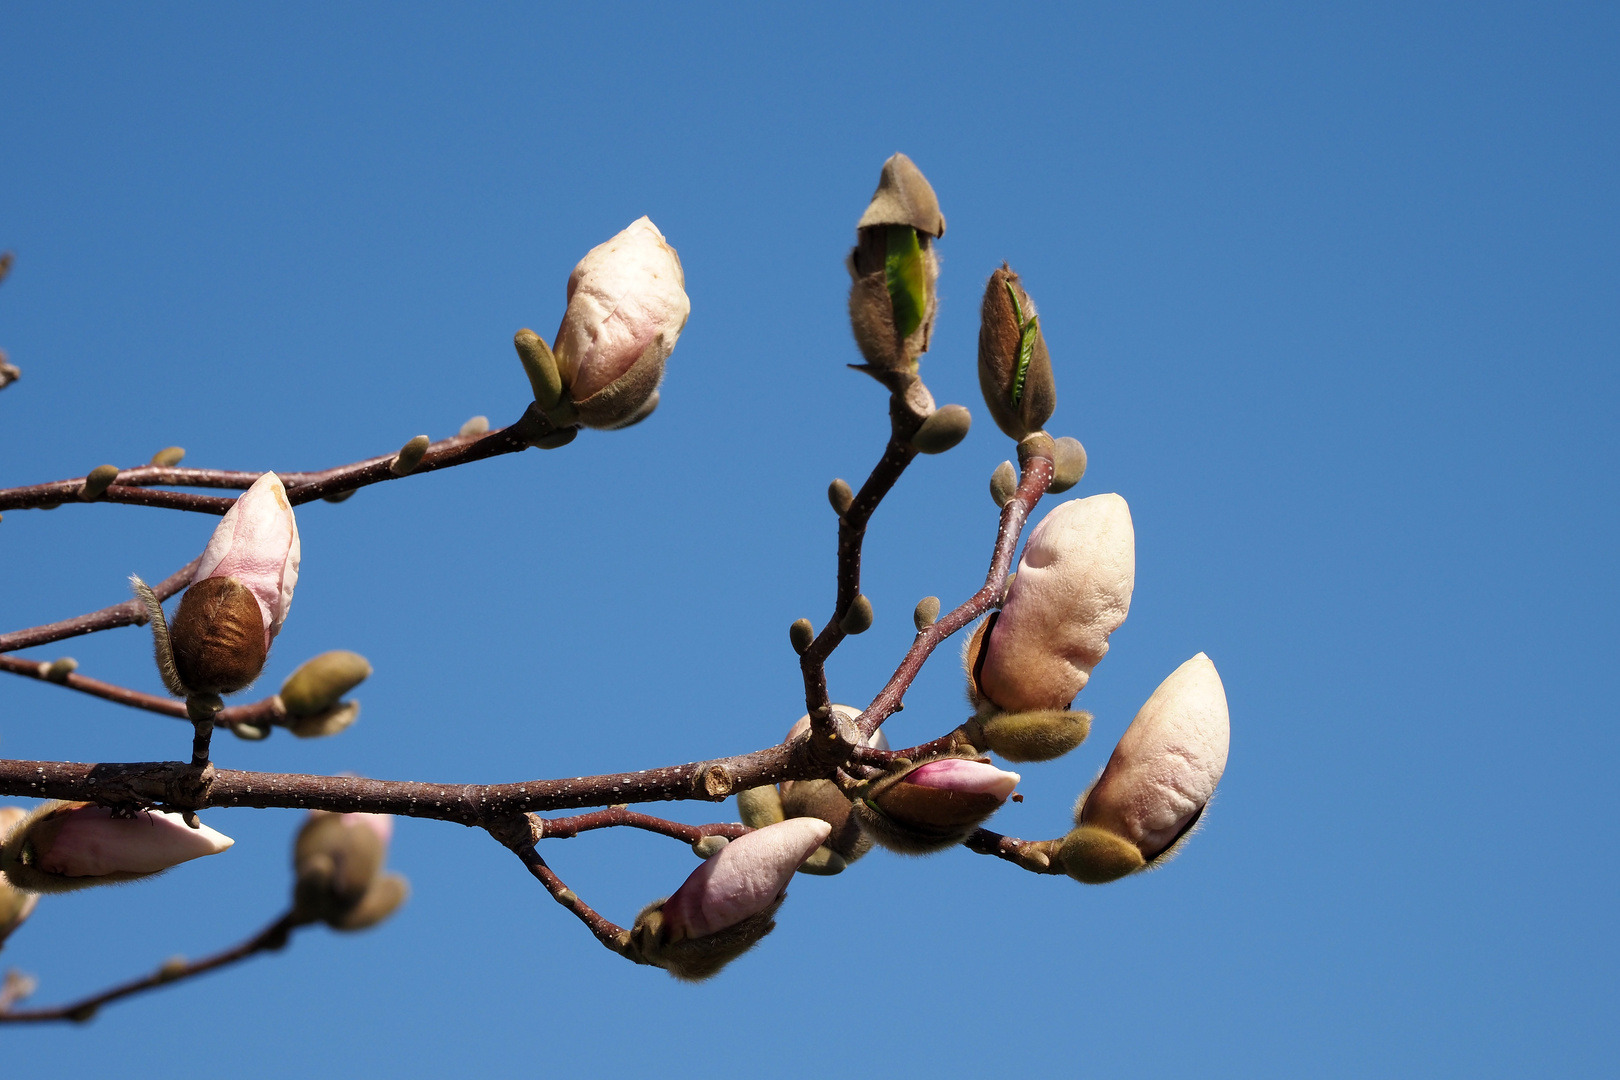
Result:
x=1331 y=295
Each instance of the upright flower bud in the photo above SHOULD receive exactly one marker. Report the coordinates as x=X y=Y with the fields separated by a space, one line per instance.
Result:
x=892 y=299
x=1072 y=589
x=934 y=805
x=238 y=597
x=1015 y=372
x=726 y=906
x=15 y=904
x=1158 y=781
x=337 y=866
x=627 y=305
x=825 y=800
x=62 y=846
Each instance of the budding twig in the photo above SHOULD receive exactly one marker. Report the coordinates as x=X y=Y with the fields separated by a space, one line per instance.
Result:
x=563 y=828
x=609 y=933
x=129 y=613
x=269 y=939
x=268 y=710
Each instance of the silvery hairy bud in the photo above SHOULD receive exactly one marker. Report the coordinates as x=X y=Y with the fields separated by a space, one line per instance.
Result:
x=1015 y=372
x=338 y=870
x=825 y=800
x=727 y=905
x=237 y=600
x=62 y=846
x=312 y=695
x=933 y=805
x=892 y=299
x=627 y=305
x=15 y=904
x=1162 y=774
x=1073 y=589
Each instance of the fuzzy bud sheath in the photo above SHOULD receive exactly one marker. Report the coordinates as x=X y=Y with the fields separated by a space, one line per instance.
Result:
x=627 y=305
x=934 y=805
x=1015 y=370
x=337 y=867
x=826 y=800
x=892 y=298
x=726 y=906
x=1158 y=781
x=15 y=904
x=1072 y=589
x=63 y=846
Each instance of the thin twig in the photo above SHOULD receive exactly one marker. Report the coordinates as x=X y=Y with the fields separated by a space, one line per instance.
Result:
x=614 y=817
x=1036 y=856
x=129 y=613
x=609 y=933
x=268 y=710
x=269 y=939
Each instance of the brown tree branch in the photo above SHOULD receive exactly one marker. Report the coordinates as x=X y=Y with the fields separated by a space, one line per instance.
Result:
x=268 y=710
x=609 y=933
x=1036 y=856
x=617 y=816
x=271 y=938
x=129 y=613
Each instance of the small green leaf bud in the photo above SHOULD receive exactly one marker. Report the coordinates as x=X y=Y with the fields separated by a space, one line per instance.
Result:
x=478 y=425
x=944 y=429
x=840 y=497
x=540 y=365
x=858 y=619
x=59 y=669
x=1096 y=856
x=1003 y=483
x=801 y=635
x=385 y=897
x=331 y=721
x=173 y=968
x=707 y=846
x=409 y=456
x=1069 y=464
x=169 y=456
x=824 y=862
x=926 y=614
x=1015 y=371
x=320 y=683
x=1036 y=736
x=341 y=496
x=96 y=484
x=558 y=438
x=760 y=806
x=251 y=732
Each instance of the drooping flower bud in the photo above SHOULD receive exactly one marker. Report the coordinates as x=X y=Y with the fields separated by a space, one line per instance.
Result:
x=1158 y=781
x=1072 y=589
x=726 y=906
x=825 y=800
x=238 y=597
x=337 y=868
x=933 y=805
x=1015 y=371
x=62 y=846
x=15 y=904
x=627 y=305
x=892 y=299
x=320 y=682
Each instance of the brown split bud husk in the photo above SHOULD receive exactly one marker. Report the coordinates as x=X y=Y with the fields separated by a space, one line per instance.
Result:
x=1068 y=465
x=218 y=637
x=1003 y=484
x=943 y=430
x=904 y=197
x=973 y=654
x=915 y=820
x=880 y=329
x=320 y=682
x=696 y=959
x=641 y=413
x=1015 y=371
x=1035 y=736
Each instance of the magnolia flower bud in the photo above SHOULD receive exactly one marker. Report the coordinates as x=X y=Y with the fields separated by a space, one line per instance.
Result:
x=892 y=299
x=1158 y=781
x=727 y=904
x=337 y=860
x=385 y=896
x=15 y=904
x=825 y=800
x=62 y=846
x=1072 y=589
x=627 y=305
x=238 y=597
x=934 y=805
x=320 y=682
x=1015 y=372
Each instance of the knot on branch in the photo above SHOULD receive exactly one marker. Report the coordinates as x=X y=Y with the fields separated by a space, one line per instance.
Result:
x=717 y=781
x=517 y=831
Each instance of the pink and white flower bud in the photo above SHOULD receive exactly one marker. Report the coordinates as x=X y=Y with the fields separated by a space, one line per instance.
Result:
x=1073 y=589
x=933 y=806
x=627 y=305
x=1165 y=768
x=64 y=846
x=966 y=776
x=746 y=877
x=256 y=545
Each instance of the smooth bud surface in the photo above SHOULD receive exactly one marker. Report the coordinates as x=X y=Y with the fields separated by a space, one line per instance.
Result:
x=63 y=846
x=858 y=619
x=169 y=456
x=943 y=430
x=1003 y=484
x=1068 y=465
x=743 y=879
x=410 y=456
x=840 y=497
x=801 y=635
x=1073 y=589
x=320 y=682
x=256 y=543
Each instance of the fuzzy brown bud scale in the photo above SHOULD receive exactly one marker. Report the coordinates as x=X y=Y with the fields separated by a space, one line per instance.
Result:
x=1015 y=370
x=218 y=637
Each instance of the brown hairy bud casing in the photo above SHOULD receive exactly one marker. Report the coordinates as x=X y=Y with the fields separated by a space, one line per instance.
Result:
x=760 y=806
x=916 y=820
x=218 y=637
x=1015 y=371
x=695 y=959
x=1096 y=856
x=892 y=300
x=1035 y=736
x=826 y=800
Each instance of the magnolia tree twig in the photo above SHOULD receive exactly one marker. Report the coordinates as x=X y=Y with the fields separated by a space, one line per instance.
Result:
x=130 y=612
x=269 y=939
x=267 y=710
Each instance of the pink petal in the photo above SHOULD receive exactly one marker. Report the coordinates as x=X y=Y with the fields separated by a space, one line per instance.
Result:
x=93 y=843
x=256 y=543
x=744 y=879
x=960 y=774
x=381 y=824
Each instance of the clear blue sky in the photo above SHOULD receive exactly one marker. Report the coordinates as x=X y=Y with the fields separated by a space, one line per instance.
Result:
x=1331 y=296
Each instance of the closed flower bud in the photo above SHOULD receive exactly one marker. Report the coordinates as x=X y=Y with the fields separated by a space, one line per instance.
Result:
x=825 y=800
x=1015 y=372
x=934 y=805
x=627 y=305
x=892 y=300
x=319 y=683
x=15 y=904
x=1158 y=781
x=1072 y=589
x=943 y=430
x=337 y=858
x=1035 y=736
x=239 y=595
x=63 y=846
x=727 y=904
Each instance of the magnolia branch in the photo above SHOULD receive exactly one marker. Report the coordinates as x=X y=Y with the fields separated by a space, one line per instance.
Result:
x=128 y=613
x=268 y=710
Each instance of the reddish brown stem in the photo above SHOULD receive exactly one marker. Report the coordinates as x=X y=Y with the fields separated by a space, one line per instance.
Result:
x=129 y=613
x=564 y=828
x=269 y=710
x=609 y=933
